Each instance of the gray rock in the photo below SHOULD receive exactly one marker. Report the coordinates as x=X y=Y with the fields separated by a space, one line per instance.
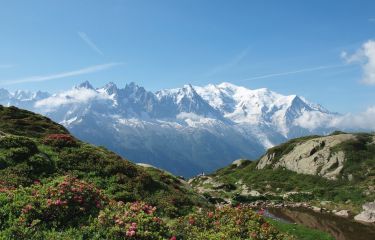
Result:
x=238 y=162
x=316 y=209
x=312 y=157
x=342 y=213
x=368 y=213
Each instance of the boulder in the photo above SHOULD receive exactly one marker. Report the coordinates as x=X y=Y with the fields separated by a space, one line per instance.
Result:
x=312 y=157
x=368 y=213
x=342 y=213
x=316 y=209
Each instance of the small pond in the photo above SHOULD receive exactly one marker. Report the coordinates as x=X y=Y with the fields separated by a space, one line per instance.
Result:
x=340 y=228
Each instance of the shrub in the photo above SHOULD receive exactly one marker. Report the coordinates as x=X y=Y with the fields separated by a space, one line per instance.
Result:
x=129 y=221
x=226 y=223
x=60 y=140
x=63 y=203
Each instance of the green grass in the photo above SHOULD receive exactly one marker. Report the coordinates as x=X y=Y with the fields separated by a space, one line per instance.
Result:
x=299 y=231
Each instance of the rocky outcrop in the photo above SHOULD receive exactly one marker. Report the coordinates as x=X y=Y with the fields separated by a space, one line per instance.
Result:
x=368 y=213
x=313 y=156
x=239 y=162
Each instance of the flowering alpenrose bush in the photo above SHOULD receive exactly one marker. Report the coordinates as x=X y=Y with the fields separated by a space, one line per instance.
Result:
x=63 y=203
x=226 y=222
x=60 y=140
x=135 y=220
x=69 y=208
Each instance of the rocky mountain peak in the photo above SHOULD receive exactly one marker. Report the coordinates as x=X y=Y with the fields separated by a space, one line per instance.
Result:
x=85 y=84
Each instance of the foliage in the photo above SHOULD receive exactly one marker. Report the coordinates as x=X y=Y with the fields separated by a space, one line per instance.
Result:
x=135 y=220
x=60 y=140
x=57 y=208
x=226 y=223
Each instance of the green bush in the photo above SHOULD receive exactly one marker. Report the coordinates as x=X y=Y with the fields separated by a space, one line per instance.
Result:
x=226 y=222
x=60 y=140
x=135 y=220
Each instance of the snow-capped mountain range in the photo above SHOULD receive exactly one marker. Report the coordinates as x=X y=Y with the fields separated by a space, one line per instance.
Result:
x=185 y=130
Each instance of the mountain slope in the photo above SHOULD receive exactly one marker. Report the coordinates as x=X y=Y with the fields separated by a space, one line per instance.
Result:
x=339 y=168
x=185 y=130
x=33 y=148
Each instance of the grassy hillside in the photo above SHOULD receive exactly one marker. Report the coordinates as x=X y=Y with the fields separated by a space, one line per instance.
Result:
x=353 y=187
x=34 y=148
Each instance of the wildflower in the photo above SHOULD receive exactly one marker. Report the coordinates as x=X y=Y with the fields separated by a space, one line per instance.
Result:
x=261 y=211
x=27 y=208
x=173 y=238
x=119 y=221
x=191 y=221
x=265 y=225
x=254 y=235
x=130 y=233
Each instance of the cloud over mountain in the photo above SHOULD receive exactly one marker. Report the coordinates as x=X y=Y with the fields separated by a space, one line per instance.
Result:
x=185 y=130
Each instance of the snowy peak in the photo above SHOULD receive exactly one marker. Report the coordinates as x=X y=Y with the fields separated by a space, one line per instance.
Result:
x=110 y=88
x=224 y=102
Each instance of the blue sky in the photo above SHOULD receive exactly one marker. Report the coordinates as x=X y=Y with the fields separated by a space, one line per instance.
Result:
x=292 y=47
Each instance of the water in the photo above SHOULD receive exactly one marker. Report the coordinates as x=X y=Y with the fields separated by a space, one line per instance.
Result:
x=340 y=228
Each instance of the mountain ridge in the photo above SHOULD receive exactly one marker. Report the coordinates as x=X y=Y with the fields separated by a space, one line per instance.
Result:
x=197 y=124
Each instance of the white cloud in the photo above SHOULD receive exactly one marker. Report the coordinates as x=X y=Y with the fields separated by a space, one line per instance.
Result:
x=42 y=78
x=365 y=56
x=313 y=120
x=75 y=95
x=89 y=42
x=190 y=115
x=360 y=121
x=364 y=120
x=293 y=72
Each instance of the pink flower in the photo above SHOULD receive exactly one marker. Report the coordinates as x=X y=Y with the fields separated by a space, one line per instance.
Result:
x=130 y=233
x=119 y=221
x=261 y=211
x=173 y=238
x=191 y=221
x=254 y=235
x=27 y=208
